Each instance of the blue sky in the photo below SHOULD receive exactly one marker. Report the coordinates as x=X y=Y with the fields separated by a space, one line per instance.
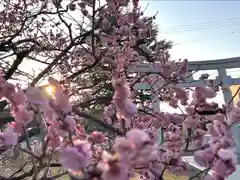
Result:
x=215 y=40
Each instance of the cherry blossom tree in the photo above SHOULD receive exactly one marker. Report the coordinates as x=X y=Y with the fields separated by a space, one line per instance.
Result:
x=92 y=45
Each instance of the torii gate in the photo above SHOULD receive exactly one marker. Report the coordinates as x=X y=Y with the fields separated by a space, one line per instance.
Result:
x=221 y=65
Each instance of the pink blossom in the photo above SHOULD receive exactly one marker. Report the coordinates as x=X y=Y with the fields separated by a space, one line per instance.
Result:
x=18 y=98
x=22 y=115
x=122 y=89
x=18 y=127
x=153 y=133
x=220 y=128
x=49 y=114
x=122 y=145
x=8 y=90
x=181 y=94
x=210 y=177
x=190 y=110
x=62 y=103
x=145 y=155
x=136 y=149
x=112 y=168
x=227 y=155
x=219 y=117
x=80 y=132
x=219 y=168
x=192 y=121
x=180 y=168
x=137 y=136
x=97 y=137
x=109 y=111
x=8 y=138
x=71 y=123
x=116 y=171
x=173 y=141
x=183 y=69
x=75 y=157
x=234 y=115
x=53 y=138
x=173 y=102
x=120 y=65
x=63 y=127
x=204 y=157
x=211 y=130
x=205 y=91
x=124 y=30
x=61 y=99
x=126 y=108
x=35 y=96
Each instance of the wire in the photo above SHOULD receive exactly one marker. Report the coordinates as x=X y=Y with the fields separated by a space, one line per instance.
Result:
x=187 y=42
x=199 y=28
x=226 y=35
x=200 y=24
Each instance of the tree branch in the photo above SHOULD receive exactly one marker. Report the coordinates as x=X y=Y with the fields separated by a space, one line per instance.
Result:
x=16 y=63
x=101 y=123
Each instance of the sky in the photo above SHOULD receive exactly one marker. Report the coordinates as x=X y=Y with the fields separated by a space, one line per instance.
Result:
x=200 y=30
x=213 y=30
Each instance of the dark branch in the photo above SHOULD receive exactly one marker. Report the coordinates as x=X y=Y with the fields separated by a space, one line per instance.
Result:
x=16 y=63
x=101 y=123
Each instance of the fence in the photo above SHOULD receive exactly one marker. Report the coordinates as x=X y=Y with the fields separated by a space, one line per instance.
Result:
x=221 y=66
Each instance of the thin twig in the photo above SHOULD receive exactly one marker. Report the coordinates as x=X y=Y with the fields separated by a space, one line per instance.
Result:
x=48 y=165
x=198 y=174
x=30 y=149
x=93 y=28
x=20 y=169
x=58 y=175
x=236 y=93
x=28 y=152
x=161 y=175
x=100 y=122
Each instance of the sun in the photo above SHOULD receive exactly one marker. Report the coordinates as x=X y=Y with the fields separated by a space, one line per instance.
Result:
x=49 y=90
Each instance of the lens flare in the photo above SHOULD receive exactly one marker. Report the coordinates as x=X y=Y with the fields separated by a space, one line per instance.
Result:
x=50 y=90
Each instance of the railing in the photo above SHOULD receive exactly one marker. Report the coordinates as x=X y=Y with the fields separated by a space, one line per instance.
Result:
x=220 y=65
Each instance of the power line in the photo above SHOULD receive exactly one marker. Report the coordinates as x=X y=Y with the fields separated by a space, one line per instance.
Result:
x=225 y=35
x=203 y=23
x=200 y=28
